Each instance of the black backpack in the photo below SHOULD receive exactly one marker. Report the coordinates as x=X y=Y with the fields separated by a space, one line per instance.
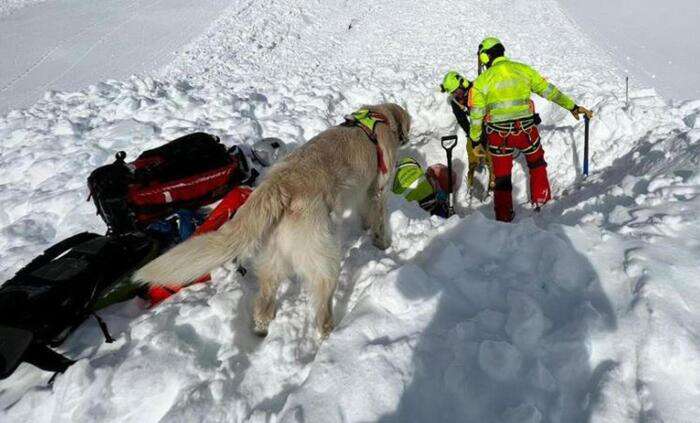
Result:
x=51 y=296
x=187 y=173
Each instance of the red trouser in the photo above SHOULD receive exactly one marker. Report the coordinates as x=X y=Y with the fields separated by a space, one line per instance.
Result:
x=502 y=145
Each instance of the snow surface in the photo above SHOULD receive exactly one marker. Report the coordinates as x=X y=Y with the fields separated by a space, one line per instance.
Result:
x=69 y=44
x=656 y=43
x=587 y=311
x=9 y=6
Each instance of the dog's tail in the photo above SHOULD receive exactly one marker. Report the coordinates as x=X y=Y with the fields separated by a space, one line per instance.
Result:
x=238 y=238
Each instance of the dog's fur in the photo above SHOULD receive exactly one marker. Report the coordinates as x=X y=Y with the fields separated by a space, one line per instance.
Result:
x=287 y=219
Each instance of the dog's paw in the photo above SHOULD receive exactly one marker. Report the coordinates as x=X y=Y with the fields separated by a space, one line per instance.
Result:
x=326 y=329
x=381 y=242
x=260 y=328
x=365 y=224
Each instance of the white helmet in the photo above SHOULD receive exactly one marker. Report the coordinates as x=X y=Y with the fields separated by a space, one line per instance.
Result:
x=267 y=151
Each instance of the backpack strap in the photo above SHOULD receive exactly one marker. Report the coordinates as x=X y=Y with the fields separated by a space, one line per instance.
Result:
x=47 y=359
x=14 y=343
x=56 y=250
x=367 y=121
x=103 y=328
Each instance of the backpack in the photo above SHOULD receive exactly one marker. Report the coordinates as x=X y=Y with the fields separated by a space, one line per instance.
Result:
x=187 y=173
x=52 y=295
x=220 y=215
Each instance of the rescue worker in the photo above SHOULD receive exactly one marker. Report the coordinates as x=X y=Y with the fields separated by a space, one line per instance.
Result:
x=457 y=86
x=500 y=104
x=414 y=184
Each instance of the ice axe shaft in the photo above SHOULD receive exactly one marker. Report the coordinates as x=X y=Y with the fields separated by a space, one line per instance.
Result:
x=448 y=143
x=585 y=145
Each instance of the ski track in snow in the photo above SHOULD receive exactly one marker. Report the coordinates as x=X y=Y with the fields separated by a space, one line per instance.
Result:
x=586 y=311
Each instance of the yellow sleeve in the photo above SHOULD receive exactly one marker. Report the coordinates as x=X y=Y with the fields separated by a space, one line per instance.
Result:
x=477 y=112
x=544 y=89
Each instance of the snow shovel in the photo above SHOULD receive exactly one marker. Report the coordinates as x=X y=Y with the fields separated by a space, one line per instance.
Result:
x=448 y=143
x=586 y=120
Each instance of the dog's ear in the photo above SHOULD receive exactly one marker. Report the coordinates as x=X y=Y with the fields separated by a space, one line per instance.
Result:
x=402 y=118
x=398 y=119
x=386 y=111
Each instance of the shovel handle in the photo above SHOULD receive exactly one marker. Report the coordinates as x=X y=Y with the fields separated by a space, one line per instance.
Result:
x=585 y=144
x=448 y=142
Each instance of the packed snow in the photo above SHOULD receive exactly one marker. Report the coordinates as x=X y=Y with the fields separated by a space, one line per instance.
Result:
x=65 y=45
x=9 y=6
x=656 y=43
x=586 y=311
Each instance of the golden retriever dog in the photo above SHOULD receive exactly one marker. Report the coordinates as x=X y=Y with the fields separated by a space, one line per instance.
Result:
x=288 y=225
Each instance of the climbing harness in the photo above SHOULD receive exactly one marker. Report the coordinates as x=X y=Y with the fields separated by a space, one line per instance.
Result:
x=516 y=127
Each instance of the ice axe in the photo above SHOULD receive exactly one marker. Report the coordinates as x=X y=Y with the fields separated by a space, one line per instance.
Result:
x=448 y=143
x=586 y=120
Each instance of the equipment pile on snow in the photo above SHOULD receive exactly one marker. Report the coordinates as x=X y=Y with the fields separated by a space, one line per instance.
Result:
x=148 y=206
x=52 y=295
x=187 y=173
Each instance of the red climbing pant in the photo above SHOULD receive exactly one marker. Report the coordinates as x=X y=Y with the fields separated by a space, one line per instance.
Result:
x=502 y=145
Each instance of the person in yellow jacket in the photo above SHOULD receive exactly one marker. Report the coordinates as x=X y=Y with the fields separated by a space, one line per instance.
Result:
x=457 y=87
x=425 y=188
x=500 y=104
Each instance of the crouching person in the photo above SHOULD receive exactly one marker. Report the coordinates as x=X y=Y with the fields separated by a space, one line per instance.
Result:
x=428 y=189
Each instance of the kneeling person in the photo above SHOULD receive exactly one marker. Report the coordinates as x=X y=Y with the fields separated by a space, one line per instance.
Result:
x=428 y=189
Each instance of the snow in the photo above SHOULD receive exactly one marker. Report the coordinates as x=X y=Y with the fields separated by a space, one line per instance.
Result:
x=586 y=311
x=69 y=44
x=655 y=43
x=9 y=6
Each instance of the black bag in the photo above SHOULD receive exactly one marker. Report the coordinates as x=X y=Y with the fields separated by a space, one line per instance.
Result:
x=51 y=296
x=187 y=173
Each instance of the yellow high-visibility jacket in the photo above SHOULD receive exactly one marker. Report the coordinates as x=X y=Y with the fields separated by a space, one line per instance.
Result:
x=502 y=93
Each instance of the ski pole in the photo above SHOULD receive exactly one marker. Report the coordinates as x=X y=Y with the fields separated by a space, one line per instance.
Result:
x=448 y=143
x=585 y=146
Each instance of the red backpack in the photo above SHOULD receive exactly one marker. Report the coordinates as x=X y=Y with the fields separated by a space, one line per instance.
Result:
x=187 y=173
x=220 y=215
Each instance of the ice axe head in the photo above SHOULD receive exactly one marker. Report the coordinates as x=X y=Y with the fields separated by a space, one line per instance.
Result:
x=449 y=142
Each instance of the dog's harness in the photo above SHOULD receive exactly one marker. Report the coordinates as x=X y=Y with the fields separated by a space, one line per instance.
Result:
x=367 y=120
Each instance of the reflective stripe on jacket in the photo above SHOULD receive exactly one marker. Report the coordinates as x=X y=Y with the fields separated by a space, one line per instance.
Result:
x=502 y=93
x=411 y=183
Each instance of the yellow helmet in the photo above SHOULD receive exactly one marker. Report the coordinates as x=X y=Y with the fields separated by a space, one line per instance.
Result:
x=452 y=81
x=485 y=46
